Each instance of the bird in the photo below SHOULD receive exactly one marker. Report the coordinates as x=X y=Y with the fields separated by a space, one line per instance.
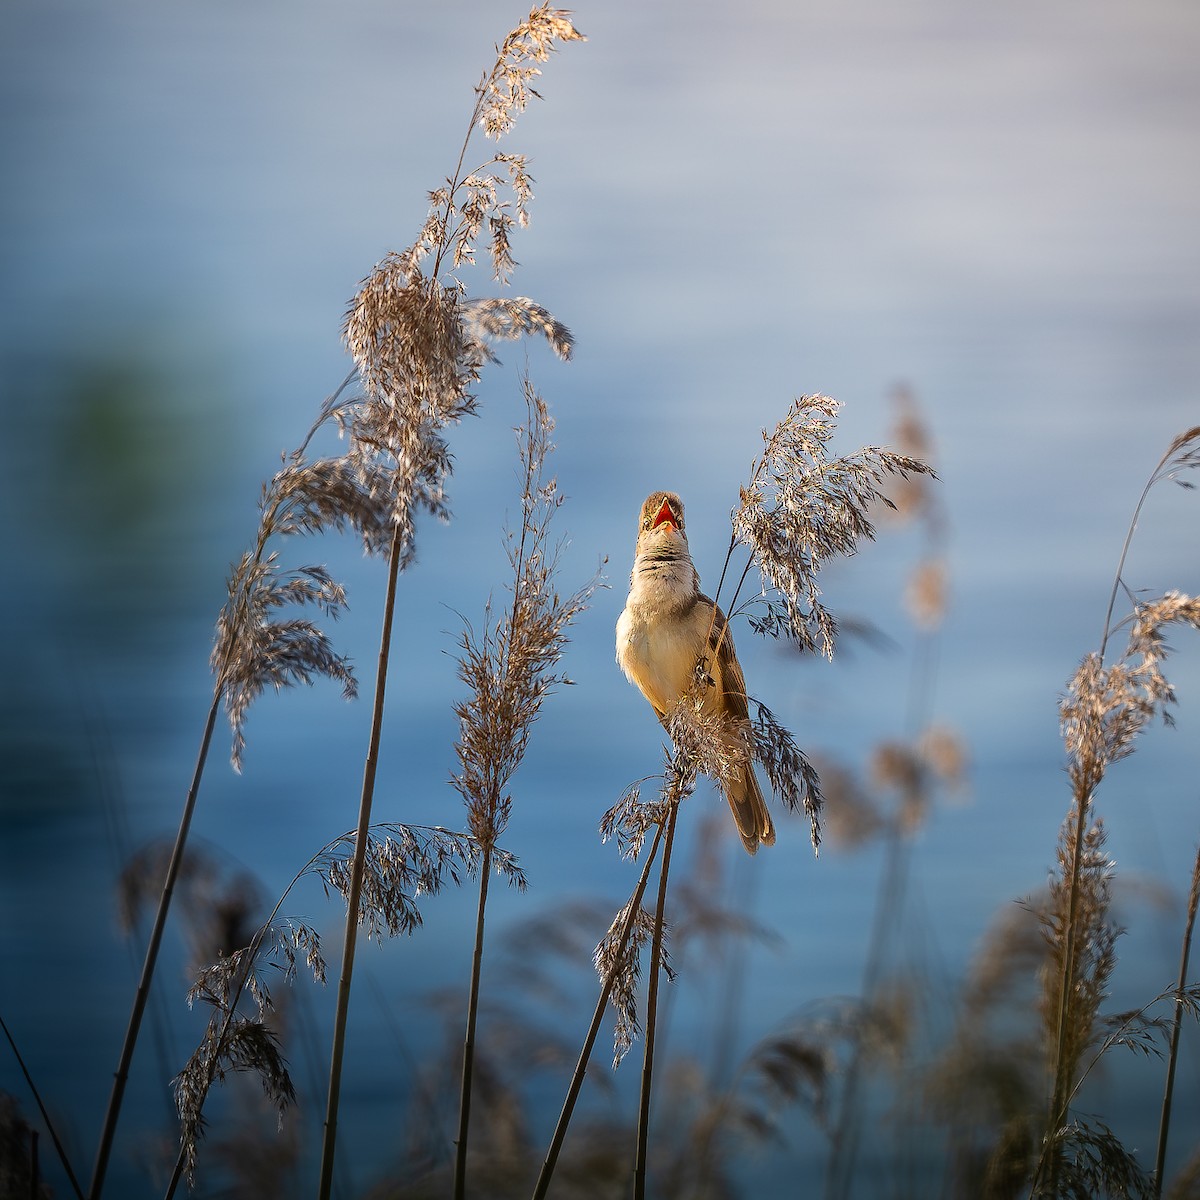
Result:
x=667 y=627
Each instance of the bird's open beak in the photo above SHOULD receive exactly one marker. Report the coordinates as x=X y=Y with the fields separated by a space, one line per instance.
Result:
x=665 y=517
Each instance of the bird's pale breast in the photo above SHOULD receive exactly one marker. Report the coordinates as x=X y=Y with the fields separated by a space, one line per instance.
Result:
x=658 y=655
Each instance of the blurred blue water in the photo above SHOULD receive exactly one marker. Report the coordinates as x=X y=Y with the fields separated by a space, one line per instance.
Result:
x=997 y=208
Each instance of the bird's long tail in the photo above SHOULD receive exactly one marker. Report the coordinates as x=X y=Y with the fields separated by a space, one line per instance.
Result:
x=750 y=810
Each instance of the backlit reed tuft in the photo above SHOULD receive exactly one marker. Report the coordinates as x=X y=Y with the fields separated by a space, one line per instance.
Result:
x=504 y=94
x=1104 y=711
x=510 y=668
x=256 y=648
x=618 y=958
x=792 y=776
x=1093 y=948
x=259 y=645
x=1106 y=707
x=403 y=865
x=419 y=347
x=802 y=508
x=418 y=343
x=237 y=1042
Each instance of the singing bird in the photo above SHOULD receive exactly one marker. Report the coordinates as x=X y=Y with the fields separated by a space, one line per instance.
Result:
x=667 y=627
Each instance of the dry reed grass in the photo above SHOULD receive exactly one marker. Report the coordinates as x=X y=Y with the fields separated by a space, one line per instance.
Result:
x=419 y=345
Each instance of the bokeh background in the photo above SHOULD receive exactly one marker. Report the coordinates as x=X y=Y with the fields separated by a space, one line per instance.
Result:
x=994 y=206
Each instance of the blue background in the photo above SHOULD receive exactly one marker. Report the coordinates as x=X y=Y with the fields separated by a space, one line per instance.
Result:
x=735 y=205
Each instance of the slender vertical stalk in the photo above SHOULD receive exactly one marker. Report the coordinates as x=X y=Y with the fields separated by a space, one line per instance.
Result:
x=1062 y=1081
x=533 y=450
x=564 y=1118
x=356 y=875
x=251 y=957
x=1172 y=1058
x=121 y=1075
x=58 y=1146
x=468 y=1065
x=643 y=1132
x=1062 y=1087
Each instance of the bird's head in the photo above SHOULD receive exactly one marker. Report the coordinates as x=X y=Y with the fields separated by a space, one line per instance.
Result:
x=662 y=516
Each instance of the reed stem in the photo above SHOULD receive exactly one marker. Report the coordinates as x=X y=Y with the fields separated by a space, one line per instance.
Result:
x=356 y=876
x=564 y=1118
x=58 y=1146
x=1173 y=1056
x=121 y=1076
x=643 y=1132
x=468 y=1065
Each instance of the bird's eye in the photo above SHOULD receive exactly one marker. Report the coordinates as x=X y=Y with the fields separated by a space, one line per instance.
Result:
x=646 y=523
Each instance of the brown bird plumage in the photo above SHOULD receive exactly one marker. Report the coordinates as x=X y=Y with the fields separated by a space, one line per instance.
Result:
x=667 y=627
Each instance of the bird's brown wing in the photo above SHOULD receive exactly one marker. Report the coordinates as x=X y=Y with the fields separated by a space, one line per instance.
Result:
x=730 y=681
x=745 y=798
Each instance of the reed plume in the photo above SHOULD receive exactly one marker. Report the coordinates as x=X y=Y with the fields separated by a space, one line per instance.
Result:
x=1107 y=706
x=801 y=508
x=260 y=642
x=510 y=669
x=402 y=864
x=419 y=346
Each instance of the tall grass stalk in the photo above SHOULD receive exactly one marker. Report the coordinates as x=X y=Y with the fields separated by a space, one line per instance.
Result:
x=1164 y=1123
x=656 y=946
x=1108 y=706
x=611 y=971
x=253 y=649
x=419 y=347
x=510 y=670
x=354 y=899
x=60 y=1150
x=121 y=1076
x=468 y=1057
x=800 y=508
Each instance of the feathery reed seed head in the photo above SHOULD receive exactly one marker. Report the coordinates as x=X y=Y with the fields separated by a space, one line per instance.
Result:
x=802 y=508
x=511 y=667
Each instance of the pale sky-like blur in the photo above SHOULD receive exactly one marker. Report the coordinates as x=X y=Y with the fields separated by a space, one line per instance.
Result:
x=735 y=204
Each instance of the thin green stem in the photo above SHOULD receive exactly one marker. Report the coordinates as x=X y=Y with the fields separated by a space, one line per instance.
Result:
x=643 y=1131
x=564 y=1117
x=121 y=1076
x=354 y=899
